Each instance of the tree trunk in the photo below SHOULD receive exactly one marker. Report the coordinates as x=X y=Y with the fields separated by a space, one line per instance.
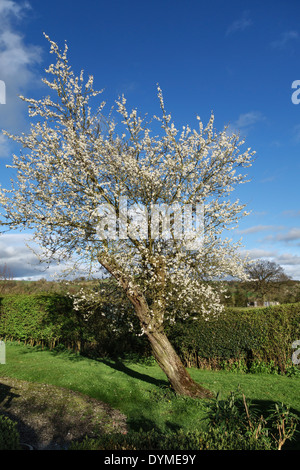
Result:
x=163 y=351
x=170 y=363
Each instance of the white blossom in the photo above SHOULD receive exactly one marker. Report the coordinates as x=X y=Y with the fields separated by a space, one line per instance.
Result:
x=73 y=159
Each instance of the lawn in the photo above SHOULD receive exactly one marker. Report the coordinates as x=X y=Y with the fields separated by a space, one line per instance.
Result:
x=140 y=390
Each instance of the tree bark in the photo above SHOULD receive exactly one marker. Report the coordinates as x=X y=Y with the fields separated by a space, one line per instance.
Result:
x=172 y=366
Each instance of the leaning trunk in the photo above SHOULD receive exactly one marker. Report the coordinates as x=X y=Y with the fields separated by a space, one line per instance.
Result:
x=170 y=363
x=164 y=353
x=162 y=349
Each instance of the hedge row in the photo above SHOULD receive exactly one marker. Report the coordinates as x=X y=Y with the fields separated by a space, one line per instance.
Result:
x=39 y=319
x=50 y=320
x=240 y=336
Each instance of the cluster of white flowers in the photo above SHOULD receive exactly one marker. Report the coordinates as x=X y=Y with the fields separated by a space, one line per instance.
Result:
x=74 y=159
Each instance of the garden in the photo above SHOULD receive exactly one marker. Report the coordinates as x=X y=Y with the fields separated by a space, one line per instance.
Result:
x=69 y=384
x=154 y=354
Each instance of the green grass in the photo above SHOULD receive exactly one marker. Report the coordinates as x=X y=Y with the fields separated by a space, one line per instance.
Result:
x=140 y=390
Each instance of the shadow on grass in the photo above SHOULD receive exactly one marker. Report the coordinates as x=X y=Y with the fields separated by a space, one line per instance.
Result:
x=116 y=364
x=6 y=396
x=58 y=351
x=121 y=367
x=27 y=433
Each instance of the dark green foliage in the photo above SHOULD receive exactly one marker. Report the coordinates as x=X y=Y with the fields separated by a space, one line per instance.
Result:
x=239 y=421
x=50 y=320
x=239 y=336
x=40 y=319
x=9 y=435
x=181 y=440
x=111 y=327
x=232 y=424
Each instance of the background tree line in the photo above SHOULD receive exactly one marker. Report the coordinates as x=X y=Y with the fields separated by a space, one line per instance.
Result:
x=267 y=282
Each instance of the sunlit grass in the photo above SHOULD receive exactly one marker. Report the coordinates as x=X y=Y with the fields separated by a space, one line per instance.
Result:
x=140 y=390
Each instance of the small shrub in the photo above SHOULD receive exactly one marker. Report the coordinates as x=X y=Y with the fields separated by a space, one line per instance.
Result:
x=237 y=366
x=9 y=436
x=283 y=424
x=237 y=419
x=293 y=370
x=260 y=367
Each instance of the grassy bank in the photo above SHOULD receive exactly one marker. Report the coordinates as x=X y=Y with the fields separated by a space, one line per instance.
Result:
x=140 y=390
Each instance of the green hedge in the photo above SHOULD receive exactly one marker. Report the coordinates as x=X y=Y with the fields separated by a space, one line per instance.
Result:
x=239 y=336
x=39 y=319
x=50 y=320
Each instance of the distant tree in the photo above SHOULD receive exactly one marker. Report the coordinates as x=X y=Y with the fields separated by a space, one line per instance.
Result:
x=6 y=277
x=5 y=273
x=264 y=276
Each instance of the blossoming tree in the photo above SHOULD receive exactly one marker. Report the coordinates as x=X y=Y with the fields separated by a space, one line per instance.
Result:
x=74 y=161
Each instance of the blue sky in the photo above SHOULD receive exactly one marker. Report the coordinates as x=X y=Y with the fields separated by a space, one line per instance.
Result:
x=235 y=58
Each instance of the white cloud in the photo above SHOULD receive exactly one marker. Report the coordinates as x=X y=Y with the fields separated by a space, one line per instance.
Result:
x=292 y=236
x=4 y=146
x=290 y=264
x=249 y=119
x=24 y=262
x=259 y=228
x=246 y=122
x=288 y=259
x=17 y=59
x=240 y=24
x=256 y=253
x=8 y=7
x=291 y=213
x=20 y=261
x=268 y=179
x=296 y=132
x=284 y=39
